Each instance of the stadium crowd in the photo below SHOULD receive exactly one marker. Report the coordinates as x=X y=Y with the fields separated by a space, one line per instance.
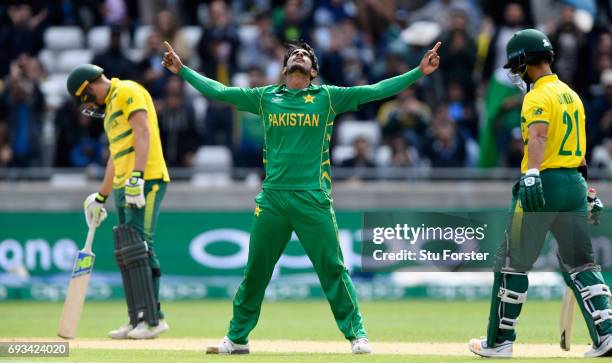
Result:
x=464 y=115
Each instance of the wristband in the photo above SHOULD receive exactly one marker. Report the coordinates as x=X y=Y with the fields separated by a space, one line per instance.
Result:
x=137 y=174
x=533 y=171
x=101 y=198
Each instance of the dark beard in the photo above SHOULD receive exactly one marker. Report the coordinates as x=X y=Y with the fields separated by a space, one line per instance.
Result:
x=295 y=67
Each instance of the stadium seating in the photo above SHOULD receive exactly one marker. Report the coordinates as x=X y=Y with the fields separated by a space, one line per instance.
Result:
x=64 y=37
x=141 y=35
x=349 y=131
x=69 y=59
x=98 y=39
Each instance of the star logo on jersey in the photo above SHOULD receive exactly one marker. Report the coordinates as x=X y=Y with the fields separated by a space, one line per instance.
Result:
x=309 y=99
x=257 y=211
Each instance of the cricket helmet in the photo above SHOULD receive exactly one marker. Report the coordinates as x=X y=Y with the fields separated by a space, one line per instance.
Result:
x=78 y=80
x=526 y=47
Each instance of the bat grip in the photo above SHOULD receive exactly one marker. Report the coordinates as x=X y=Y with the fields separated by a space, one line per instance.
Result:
x=90 y=236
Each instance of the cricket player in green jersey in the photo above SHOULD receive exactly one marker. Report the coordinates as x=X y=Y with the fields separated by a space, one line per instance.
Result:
x=553 y=185
x=298 y=119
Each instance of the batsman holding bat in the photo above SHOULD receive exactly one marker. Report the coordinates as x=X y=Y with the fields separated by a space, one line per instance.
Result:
x=137 y=173
x=553 y=185
x=298 y=119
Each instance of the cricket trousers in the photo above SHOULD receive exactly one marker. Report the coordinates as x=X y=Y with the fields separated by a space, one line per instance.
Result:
x=565 y=215
x=144 y=220
x=310 y=214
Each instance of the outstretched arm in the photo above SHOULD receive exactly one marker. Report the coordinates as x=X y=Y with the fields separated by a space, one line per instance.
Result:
x=247 y=99
x=350 y=98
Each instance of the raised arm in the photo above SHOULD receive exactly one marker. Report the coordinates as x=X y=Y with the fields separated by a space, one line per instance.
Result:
x=350 y=98
x=247 y=99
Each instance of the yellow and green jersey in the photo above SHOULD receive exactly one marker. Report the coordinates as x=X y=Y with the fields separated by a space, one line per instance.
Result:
x=554 y=103
x=298 y=123
x=123 y=99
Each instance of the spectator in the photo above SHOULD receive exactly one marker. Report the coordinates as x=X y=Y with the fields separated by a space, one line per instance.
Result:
x=503 y=99
x=177 y=126
x=153 y=76
x=403 y=154
x=375 y=18
x=79 y=138
x=218 y=49
x=445 y=147
x=360 y=163
x=514 y=150
x=361 y=158
x=265 y=45
x=168 y=29
x=248 y=150
x=219 y=44
x=599 y=112
x=346 y=51
x=112 y=60
x=601 y=60
x=461 y=110
x=405 y=116
x=570 y=45
x=23 y=106
x=83 y=13
x=22 y=35
x=459 y=54
x=334 y=11
x=442 y=11
x=291 y=23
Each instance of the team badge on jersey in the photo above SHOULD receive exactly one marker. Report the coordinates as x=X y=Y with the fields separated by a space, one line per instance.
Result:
x=309 y=99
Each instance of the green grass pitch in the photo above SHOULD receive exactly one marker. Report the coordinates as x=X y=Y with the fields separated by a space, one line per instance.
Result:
x=405 y=321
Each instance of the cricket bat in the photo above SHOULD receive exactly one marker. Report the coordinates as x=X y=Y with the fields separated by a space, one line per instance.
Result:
x=567 y=318
x=75 y=297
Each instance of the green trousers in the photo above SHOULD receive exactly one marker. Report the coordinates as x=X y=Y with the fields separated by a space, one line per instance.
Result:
x=565 y=216
x=310 y=214
x=144 y=220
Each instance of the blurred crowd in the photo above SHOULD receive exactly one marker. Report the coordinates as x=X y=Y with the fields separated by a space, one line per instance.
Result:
x=464 y=115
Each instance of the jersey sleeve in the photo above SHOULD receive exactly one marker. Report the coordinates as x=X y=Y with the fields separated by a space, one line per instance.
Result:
x=130 y=100
x=536 y=108
x=345 y=99
x=245 y=99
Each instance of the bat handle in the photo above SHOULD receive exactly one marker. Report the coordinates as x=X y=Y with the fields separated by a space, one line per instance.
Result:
x=90 y=236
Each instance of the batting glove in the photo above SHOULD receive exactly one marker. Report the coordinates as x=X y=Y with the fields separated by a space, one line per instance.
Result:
x=595 y=208
x=94 y=209
x=530 y=192
x=134 y=190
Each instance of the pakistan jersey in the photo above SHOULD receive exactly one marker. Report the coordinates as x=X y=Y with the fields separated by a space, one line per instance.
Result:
x=554 y=103
x=298 y=123
x=123 y=99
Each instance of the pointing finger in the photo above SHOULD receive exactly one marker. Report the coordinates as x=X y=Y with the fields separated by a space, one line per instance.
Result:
x=169 y=47
x=435 y=48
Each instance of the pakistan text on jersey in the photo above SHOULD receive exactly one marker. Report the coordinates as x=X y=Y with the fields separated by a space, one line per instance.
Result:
x=565 y=98
x=293 y=119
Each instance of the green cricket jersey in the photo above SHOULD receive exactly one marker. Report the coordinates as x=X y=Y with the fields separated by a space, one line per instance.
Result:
x=298 y=123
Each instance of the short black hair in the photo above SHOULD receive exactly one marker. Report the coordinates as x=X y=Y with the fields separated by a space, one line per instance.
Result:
x=291 y=47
